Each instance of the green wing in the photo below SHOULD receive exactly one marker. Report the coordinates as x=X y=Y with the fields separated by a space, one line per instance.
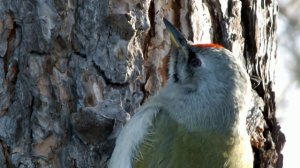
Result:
x=170 y=145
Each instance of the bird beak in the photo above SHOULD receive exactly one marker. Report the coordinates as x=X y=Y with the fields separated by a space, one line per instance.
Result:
x=177 y=38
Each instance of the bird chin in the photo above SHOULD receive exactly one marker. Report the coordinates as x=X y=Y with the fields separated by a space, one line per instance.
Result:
x=190 y=88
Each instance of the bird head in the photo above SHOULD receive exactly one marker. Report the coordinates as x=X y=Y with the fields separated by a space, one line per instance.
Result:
x=203 y=66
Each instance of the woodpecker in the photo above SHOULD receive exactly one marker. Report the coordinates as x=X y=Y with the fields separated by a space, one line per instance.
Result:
x=198 y=120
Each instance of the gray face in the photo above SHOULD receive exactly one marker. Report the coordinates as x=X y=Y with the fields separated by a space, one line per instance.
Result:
x=212 y=67
x=203 y=66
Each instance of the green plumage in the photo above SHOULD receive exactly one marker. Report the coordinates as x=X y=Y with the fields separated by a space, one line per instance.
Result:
x=198 y=120
x=170 y=145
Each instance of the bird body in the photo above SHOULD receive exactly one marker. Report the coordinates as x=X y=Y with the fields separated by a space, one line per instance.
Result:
x=189 y=149
x=198 y=120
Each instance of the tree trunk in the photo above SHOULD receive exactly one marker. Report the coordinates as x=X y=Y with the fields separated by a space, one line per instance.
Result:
x=72 y=71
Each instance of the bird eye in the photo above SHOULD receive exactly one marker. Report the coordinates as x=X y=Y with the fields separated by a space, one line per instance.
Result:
x=195 y=62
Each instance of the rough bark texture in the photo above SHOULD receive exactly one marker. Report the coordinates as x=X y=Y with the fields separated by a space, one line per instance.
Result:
x=72 y=71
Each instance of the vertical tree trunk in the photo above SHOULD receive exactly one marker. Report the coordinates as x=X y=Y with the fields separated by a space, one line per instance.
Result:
x=72 y=71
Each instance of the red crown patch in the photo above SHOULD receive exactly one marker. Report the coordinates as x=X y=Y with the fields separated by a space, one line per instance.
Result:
x=212 y=45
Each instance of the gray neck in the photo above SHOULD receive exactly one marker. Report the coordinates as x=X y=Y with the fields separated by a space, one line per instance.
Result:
x=200 y=110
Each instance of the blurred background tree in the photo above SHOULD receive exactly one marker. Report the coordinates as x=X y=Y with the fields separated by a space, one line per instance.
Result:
x=288 y=77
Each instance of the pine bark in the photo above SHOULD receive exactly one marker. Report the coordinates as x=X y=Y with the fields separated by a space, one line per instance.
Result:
x=72 y=72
